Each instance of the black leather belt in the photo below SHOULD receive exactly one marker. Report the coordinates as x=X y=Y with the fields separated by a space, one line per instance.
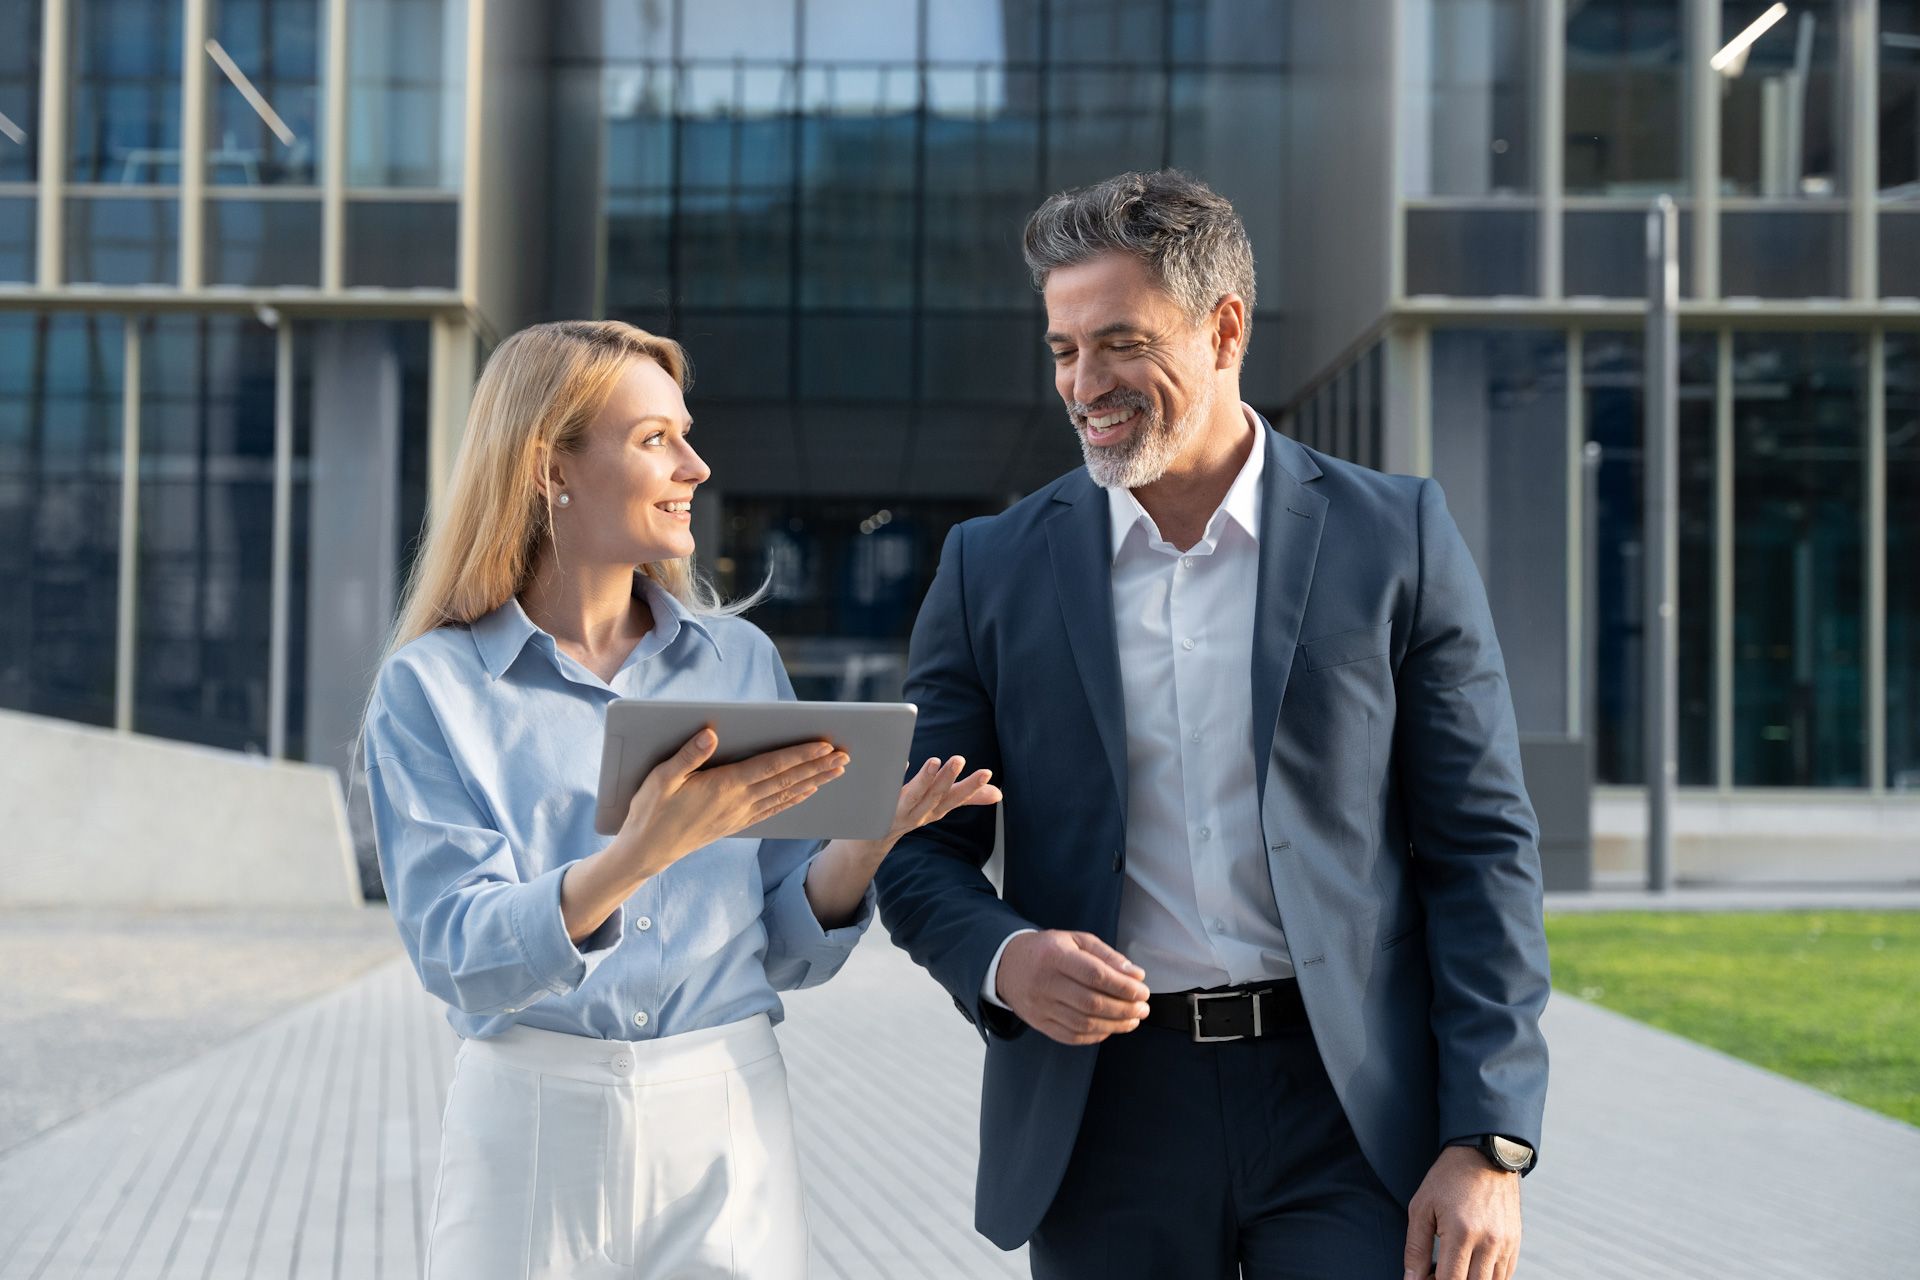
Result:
x=1230 y=1013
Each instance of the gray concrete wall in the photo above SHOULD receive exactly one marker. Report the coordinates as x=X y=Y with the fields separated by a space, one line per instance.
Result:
x=90 y=817
x=1336 y=269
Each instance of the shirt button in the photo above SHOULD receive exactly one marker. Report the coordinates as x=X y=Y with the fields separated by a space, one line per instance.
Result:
x=1219 y=925
x=1187 y=643
x=1196 y=735
x=1206 y=833
x=1186 y=562
x=640 y=1019
x=622 y=1065
x=643 y=924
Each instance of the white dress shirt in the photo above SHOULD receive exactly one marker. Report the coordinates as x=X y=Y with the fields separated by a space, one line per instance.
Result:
x=1197 y=907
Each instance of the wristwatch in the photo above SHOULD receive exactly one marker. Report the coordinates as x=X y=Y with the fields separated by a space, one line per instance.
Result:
x=1502 y=1153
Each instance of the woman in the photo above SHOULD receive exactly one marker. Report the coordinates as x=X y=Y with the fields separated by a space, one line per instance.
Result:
x=618 y=1105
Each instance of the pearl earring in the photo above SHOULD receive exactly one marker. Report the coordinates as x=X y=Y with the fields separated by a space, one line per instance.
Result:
x=563 y=499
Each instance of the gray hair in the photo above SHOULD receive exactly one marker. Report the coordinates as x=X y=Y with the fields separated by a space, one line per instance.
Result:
x=1189 y=237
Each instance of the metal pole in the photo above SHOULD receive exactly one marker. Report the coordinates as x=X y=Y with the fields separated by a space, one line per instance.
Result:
x=1660 y=541
x=1589 y=691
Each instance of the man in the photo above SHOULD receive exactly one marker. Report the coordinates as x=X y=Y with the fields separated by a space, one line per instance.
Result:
x=1261 y=990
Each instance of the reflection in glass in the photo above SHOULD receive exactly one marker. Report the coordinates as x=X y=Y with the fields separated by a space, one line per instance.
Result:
x=125 y=86
x=59 y=513
x=1799 y=503
x=1626 y=83
x=1900 y=100
x=276 y=45
x=406 y=92
x=263 y=242
x=20 y=95
x=1499 y=451
x=18 y=235
x=206 y=521
x=1469 y=65
x=398 y=244
x=1613 y=376
x=1903 y=561
x=1605 y=253
x=1472 y=253
x=1781 y=102
x=1783 y=253
x=122 y=240
x=1900 y=251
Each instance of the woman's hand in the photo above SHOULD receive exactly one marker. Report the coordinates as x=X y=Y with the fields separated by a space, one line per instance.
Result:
x=936 y=791
x=682 y=807
x=838 y=879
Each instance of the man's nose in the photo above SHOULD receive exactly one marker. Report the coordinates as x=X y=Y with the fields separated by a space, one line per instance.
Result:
x=1090 y=382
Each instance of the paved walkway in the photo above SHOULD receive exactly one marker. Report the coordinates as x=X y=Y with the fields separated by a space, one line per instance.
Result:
x=306 y=1147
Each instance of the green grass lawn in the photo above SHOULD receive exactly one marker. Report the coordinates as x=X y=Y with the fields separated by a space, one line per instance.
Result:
x=1828 y=997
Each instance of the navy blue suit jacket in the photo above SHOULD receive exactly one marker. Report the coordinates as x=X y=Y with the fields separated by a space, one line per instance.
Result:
x=1399 y=837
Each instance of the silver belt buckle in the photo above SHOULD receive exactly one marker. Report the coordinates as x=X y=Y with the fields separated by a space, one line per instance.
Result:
x=1193 y=1001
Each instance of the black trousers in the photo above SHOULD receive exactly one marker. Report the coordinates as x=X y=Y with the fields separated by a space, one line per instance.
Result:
x=1217 y=1161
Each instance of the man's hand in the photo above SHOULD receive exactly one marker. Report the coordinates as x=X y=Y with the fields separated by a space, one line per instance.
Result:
x=1071 y=986
x=1475 y=1210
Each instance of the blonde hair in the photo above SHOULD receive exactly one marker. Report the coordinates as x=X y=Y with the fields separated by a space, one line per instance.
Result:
x=540 y=391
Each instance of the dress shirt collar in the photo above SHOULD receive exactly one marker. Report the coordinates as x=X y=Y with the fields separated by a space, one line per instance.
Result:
x=501 y=635
x=1241 y=505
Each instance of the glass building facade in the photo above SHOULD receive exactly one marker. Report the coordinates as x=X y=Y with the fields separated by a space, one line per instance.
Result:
x=253 y=251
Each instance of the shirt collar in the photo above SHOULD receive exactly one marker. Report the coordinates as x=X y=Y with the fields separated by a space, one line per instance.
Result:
x=1241 y=505
x=502 y=634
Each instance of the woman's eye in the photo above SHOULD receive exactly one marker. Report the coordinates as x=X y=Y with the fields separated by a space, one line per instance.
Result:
x=655 y=438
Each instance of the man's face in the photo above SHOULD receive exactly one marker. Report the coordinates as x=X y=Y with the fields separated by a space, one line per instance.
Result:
x=1136 y=374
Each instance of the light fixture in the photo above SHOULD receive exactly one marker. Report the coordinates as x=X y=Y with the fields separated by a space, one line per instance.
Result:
x=1736 y=50
x=253 y=95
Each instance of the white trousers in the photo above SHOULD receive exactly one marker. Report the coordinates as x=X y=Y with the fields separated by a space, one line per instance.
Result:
x=567 y=1156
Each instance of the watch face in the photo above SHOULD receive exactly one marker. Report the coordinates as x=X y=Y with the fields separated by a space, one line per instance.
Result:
x=1515 y=1155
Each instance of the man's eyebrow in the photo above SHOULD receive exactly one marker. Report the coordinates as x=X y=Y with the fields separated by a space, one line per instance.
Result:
x=1104 y=331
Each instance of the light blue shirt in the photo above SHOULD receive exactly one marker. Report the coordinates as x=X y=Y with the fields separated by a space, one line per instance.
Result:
x=483 y=754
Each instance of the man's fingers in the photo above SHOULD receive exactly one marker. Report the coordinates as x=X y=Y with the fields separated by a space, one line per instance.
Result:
x=1455 y=1257
x=1101 y=967
x=1092 y=1004
x=1418 y=1254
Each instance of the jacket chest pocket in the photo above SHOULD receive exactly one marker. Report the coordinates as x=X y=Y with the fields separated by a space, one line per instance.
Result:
x=1337 y=695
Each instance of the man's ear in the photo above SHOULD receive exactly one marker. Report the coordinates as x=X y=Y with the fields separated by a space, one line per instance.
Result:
x=1229 y=331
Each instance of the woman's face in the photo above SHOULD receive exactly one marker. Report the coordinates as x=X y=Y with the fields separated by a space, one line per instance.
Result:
x=630 y=482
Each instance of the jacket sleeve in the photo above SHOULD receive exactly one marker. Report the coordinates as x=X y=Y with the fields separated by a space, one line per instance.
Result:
x=934 y=899
x=481 y=937
x=1475 y=846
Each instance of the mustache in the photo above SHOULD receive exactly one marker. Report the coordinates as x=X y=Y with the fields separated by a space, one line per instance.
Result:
x=1119 y=398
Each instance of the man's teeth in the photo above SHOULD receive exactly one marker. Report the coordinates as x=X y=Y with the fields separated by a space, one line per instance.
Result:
x=1103 y=421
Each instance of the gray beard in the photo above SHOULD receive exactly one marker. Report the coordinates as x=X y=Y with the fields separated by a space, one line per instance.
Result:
x=1149 y=451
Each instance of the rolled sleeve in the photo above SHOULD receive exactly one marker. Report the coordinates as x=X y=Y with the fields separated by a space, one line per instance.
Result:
x=482 y=938
x=540 y=928
x=800 y=951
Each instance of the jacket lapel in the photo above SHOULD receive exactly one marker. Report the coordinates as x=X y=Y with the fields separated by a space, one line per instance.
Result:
x=1291 y=519
x=1079 y=538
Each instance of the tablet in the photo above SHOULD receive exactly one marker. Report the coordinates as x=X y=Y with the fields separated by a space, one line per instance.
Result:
x=857 y=805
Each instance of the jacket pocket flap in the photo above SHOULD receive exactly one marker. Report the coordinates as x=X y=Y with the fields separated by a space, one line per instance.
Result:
x=1347 y=646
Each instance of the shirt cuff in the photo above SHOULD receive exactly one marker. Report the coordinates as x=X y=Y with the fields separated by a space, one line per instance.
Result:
x=988 y=991
x=798 y=930
x=541 y=930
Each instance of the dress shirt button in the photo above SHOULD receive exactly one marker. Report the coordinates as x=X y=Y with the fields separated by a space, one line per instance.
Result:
x=1186 y=562
x=1196 y=735
x=622 y=1065
x=1218 y=925
x=640 y=1019
x=1206 y=833
x=643 y=924
x=1187 y=643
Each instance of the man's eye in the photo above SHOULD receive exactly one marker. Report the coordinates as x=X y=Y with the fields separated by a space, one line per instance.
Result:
x=1059 y=354
x=1125 y=346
